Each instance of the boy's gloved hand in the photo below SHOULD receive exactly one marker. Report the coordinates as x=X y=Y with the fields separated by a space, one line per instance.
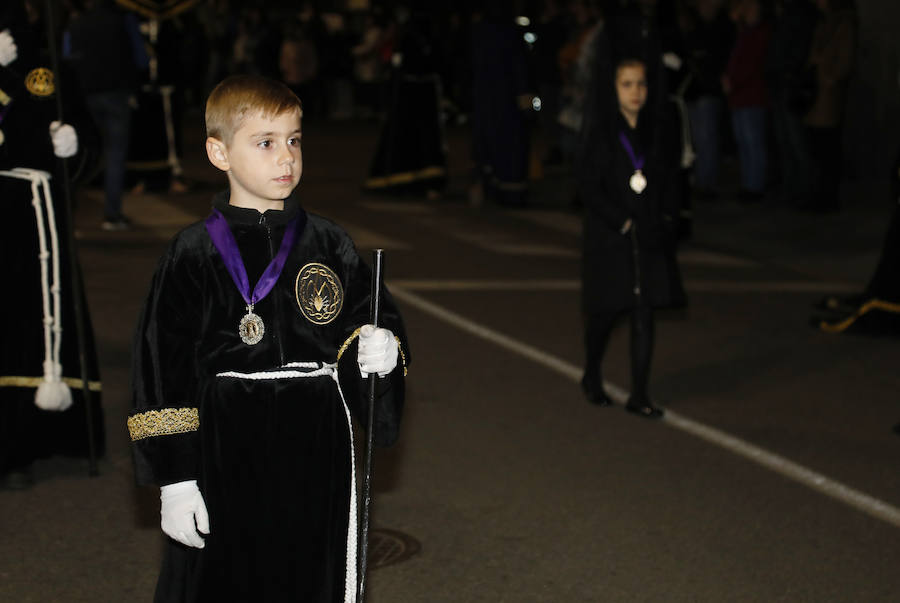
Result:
x=8 y=50
x=377 y=351
x=65 y=140
x=184 y=513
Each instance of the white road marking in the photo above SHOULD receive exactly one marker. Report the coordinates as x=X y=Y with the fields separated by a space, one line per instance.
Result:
x=854 y=498
x=530 y=249
x=575 y=285
x=492 y=285
x=700 y=257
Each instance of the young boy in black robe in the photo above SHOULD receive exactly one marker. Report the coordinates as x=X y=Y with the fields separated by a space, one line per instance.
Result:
x=250 y=358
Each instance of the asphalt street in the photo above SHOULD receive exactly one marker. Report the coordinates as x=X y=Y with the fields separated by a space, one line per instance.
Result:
x=773 y=477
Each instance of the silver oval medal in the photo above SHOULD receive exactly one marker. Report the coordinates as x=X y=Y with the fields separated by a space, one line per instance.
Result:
x=637 y=182
x=251 y=329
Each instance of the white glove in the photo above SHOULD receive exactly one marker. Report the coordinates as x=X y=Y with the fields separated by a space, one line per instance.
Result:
x=672 y=61
x=377 y=351
x=8 y=50
x=65 y=140
x=184 y=513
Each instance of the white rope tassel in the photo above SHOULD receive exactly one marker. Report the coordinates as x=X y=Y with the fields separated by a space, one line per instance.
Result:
x=52 y=393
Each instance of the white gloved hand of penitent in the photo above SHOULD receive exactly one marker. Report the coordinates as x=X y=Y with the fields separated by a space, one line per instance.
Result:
x=183 y=513
x=378 y=351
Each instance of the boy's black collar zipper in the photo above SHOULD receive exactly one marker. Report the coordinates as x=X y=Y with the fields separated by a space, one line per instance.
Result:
x=243 y=215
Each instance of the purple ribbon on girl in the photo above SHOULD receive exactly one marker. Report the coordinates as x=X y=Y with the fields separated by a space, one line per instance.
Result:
x=637 y=182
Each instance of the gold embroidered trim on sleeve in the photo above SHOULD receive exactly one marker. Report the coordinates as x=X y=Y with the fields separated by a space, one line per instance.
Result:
x=163 y=422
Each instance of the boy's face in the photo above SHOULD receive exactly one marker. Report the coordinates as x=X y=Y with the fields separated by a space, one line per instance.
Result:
x=631 y=88
x=263 y=160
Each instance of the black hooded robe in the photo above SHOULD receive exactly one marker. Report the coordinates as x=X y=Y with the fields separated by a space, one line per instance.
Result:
x=28 y=104
x=614 y=263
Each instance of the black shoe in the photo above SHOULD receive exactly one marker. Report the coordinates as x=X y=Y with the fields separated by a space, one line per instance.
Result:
x=644 y=408
x=598 y=399
x=596 y=396
x=21 y=479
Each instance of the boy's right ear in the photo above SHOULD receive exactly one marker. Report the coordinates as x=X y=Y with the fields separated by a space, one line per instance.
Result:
x=217 y=153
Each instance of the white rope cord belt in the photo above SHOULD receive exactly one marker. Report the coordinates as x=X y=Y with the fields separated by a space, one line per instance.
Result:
x=52 y=393
x=303 y=370
x=288 y=371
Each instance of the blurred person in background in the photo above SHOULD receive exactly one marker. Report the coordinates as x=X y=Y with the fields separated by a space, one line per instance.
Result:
x=745 y=86
x=43 y=405
x=792 y=88
x=368 y=67
x=831 y=57
x=708 y=39
x=105 y=49
x=501 y=105
x=411 y=155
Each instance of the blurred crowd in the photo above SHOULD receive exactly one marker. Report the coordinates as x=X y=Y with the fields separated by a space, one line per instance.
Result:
x=762 y=81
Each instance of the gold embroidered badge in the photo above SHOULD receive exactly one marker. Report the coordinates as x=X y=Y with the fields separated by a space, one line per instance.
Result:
x=320 y=295
x=39 y=82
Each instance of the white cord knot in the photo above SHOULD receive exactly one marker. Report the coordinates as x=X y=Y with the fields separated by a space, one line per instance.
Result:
x=52 y=393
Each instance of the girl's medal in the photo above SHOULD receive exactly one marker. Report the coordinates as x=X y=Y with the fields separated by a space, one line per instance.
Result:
x=637 y=182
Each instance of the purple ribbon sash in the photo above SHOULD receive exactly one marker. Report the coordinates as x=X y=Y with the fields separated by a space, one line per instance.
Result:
x=636 y=162
x=224 y=241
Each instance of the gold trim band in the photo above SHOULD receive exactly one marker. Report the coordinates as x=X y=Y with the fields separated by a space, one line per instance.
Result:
x=163 y=422
x=406 y=177
x=872 y=304
x=10 y=381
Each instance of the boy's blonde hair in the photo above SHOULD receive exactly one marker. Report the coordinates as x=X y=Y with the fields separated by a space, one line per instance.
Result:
x=239 y=96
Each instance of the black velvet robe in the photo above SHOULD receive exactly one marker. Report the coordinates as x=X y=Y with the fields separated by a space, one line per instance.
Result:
x=500 y=128
x=27 y=107
x=411 y=155
x=613 y=263
x=272 y=457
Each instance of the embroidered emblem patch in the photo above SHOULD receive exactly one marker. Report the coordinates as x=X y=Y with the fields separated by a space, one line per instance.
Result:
x=39 y=82
x=320 y=295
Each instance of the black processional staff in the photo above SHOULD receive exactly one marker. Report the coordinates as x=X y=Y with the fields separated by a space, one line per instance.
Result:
x=374 y=315
x=73 y=262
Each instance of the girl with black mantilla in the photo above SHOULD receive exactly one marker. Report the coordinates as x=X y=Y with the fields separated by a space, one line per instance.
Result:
x=628 y=182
